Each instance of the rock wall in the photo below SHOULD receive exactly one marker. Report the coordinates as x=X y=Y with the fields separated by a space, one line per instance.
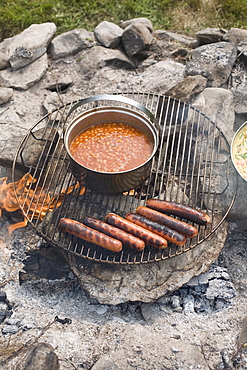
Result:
x=40 y=71
x=184 y=330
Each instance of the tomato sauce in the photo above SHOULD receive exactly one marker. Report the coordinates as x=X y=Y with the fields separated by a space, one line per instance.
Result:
x=111 y=147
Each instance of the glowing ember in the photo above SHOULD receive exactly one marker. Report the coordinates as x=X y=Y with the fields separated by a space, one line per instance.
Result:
x=37 y=202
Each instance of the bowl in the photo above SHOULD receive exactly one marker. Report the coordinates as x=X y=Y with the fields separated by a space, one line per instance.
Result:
x=239 y=150
x=139 y=118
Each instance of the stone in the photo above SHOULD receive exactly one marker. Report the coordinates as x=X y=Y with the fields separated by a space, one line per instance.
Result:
x=240 y=100
x=136 y=38
x=25 y=77
x=30 y=44
x=2 y=316
x=218 y=105
x=4 y=63
x=148 y=311
x=238 y=37
x=108 y=34
x=99 y=56
x=71 y=42
x=188 y=304
x=161 y=76
x=41 y=357
x=105 y=363
x=9 y=329
x=51 y=102
x=179 y=53
x=187 y=89
x=32 y=151
x=242 y=339
x=210 y=35
x=220 y=289
x=180 y=39
x=5 y=94
x=139 y=21
x=3 y=296
x=115 y=284
x=55 y=82
x=213 y=61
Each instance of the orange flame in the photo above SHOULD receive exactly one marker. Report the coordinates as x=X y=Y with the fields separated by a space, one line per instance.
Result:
x=37 y=202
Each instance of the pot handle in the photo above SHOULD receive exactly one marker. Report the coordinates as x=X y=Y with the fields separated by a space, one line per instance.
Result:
x=120 y=98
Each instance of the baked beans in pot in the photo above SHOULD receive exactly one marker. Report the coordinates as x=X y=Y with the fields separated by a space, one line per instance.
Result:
x=111 y=148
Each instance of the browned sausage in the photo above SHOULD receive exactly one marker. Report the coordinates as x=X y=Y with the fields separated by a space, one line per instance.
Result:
x=171 y=235
x=127 y=239
x=180 y=226
x=149 y=237
x=180 y=210
x=93 y=236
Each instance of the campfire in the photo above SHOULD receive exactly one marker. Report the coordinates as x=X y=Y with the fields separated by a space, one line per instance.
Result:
x=35 y=202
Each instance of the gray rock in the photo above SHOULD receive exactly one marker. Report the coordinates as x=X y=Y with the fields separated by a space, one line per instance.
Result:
x=238 y=37
x=139 y=21
x=180 y=39
x=5 y=44
x=239 y=209
x=70 y=43
x=2 y=315
x=25 y=77
x=32 y=152
x=41 y=357
x=4 y=63
x=55 y=82
x=213 y=61
x=188 y=304
x=179 y=53
x=51 y=102
x=136 y=38
x=101 y=310
x=175 y=303
x=13 y=321
x=222 y=289
x=187 y=89
x=9 y=329
x=105 y=363
x=148 y=311
x=10 y=123
x=30 y=44
x=218 y=105
x=99 y=56
x=210 y=35
x=5 y=94
x=242 y=338
x=108 y=34
x=161 y=76
x=240 y=100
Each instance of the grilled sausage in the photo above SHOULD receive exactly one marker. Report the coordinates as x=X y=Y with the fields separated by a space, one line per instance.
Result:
x=127 y=239
x=180 y=226
x=171 y=235
x=180 y=210
x=149 y=237
x=93 y=236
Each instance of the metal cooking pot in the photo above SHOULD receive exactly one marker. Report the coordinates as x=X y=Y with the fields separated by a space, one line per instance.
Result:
x=234 y=142
x=137 y=116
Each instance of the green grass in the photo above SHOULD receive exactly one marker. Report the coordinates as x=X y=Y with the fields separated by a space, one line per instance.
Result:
x=186 y=16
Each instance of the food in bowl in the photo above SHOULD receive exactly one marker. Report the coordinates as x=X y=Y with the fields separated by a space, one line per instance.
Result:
x=239 y=151
x=122 y=180
x=111 y=147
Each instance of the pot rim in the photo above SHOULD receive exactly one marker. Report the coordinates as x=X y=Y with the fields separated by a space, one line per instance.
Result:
x=151 y=126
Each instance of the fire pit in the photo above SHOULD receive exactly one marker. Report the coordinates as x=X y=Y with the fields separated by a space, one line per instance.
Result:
x=191 y=166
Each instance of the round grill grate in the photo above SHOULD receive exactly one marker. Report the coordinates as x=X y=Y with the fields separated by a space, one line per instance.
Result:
x=192 y=166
